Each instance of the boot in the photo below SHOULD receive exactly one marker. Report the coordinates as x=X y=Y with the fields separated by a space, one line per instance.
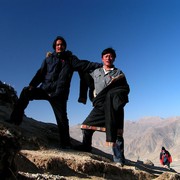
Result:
x=86 y=145
x=118 y=151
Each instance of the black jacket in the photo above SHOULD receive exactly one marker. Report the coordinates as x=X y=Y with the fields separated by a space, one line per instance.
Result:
x=87 y=84
x=55 y=73
x=122 y=90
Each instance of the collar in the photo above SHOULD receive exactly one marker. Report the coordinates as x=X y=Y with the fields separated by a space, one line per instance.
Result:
x=107 y=71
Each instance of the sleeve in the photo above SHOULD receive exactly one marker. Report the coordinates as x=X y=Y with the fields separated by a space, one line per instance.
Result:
x=39 y=76
x=86 y=82
x=169 y=157
x=83 y=65
x=83 y=89
x=160 y=158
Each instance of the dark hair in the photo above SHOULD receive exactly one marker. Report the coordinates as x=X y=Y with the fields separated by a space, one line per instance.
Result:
x=59 y=38
x=109 y=50
x=163 y=148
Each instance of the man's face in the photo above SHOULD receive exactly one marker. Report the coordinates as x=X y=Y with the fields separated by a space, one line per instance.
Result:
x=59 y=46
x=108 y=60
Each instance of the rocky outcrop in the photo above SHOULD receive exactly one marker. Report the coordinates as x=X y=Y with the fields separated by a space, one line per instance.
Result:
x=9 y=147
x=7 y=94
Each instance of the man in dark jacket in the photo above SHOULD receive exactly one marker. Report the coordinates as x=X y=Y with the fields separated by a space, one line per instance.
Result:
x=111 y=95
x=52 y=83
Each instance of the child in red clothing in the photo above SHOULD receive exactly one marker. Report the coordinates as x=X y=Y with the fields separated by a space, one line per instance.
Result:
x=165 y=158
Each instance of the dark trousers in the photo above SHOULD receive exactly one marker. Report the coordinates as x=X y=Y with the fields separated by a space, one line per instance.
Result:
x=107 y=114
x=98 y=117
x=59 y=107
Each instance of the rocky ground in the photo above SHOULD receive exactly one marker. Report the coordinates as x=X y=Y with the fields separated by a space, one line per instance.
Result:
x=31 y=151
x=40 y=158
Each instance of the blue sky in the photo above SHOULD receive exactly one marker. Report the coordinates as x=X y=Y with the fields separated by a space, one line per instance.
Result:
x=144 y=33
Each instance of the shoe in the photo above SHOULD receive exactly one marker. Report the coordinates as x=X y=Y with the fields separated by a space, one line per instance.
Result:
x=118 y=154
x=82 y=148
x=17 y=123
x=17 y=117
x=65 y=147
x=119 y=164
x=9 y=121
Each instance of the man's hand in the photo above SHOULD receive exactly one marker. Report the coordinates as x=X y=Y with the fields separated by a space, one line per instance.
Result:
x=121 y=76
x=48 y=54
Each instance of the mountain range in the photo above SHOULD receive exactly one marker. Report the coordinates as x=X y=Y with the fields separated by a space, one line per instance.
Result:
x=144 y=138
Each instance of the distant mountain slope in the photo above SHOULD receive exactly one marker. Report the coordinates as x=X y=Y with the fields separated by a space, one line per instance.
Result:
x=143 y=138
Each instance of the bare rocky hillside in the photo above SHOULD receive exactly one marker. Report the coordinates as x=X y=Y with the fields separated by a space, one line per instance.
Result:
x=39 y=156
x=144 y=139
